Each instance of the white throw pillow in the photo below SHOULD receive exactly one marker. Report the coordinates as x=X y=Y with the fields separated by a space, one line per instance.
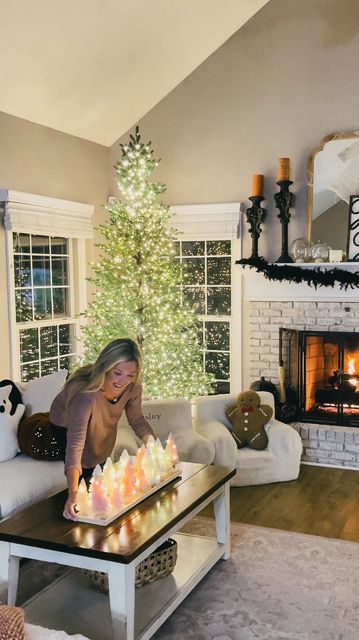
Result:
x=39 y=393
x=8 y=425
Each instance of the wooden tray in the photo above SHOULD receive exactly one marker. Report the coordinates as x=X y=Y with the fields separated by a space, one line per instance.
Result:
x=132 y=502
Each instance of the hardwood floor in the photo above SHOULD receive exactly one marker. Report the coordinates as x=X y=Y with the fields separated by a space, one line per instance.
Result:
x=323 y=501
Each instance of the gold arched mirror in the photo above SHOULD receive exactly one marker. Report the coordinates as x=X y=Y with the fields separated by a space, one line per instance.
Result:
x=332 y=177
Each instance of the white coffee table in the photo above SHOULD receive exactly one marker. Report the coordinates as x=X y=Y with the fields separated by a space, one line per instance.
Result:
x=41 y=533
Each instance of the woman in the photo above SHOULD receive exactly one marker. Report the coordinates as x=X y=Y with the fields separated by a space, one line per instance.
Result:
x=88 y=409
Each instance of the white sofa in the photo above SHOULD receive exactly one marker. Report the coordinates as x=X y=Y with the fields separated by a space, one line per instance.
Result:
x=23 y=480
x=277 y=463
x=170 y=415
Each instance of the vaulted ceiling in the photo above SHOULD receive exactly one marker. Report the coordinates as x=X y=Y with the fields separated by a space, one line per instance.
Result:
x=93 y=68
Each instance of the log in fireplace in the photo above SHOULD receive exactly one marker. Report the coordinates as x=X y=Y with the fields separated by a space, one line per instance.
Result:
x=325 y=366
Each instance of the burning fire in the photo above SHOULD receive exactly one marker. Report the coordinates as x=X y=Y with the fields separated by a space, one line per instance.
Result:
x=352 y=371
x=351 y=365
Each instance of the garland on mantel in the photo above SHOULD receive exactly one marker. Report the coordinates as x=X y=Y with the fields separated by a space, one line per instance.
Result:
x=316 y=277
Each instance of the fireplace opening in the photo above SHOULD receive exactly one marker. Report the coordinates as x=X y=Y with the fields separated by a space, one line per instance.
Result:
x=328 y=377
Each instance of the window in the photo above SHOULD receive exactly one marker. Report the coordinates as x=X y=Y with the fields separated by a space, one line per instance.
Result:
x=207 y=288
x=42 y=304
x=208 y=248
x=45 y=297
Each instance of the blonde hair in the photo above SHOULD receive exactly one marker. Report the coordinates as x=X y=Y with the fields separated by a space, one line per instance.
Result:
x=91 y=377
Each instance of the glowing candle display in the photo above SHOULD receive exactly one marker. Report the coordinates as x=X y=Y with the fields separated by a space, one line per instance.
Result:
x=116 y=496
x=109 y=474
x=124 y=458
x=99 y=499
x=147 y=466
x=172 y=449
x=115 y=488
x=129 y=487
x=83 y=502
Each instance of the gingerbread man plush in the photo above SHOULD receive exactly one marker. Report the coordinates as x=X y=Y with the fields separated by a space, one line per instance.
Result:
x=248 y=417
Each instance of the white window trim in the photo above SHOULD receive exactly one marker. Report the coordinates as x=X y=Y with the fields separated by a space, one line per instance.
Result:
x=219 y=221
x=41 y=215
x=46 y=216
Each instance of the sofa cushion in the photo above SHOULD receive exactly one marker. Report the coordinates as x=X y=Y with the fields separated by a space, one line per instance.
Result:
x=253 y=459
x=38 y=394
x=24 y=481
x=168 y=415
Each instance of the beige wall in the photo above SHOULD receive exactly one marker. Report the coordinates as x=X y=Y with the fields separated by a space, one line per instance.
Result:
x=47 y=162
x=281 y=83
x=285 y=80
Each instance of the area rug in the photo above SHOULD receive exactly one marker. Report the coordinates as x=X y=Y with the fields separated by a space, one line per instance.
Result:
x=35 y=576
x=277 y=585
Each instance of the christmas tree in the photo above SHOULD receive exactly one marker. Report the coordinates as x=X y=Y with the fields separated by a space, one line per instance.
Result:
x=138 y=284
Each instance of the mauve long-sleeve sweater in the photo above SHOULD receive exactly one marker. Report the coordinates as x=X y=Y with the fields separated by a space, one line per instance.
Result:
x=91 y=423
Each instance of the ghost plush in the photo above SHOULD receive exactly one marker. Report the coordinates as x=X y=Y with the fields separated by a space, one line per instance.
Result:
x=11 y=412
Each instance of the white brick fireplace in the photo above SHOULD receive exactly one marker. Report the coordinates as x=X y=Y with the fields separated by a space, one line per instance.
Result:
x=268 y=305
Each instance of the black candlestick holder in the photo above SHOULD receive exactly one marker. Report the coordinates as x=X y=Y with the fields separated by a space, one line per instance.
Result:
x=255 y=216
x=283 y=202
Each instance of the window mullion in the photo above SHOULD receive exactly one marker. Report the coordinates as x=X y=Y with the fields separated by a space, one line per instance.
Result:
x=51 y=281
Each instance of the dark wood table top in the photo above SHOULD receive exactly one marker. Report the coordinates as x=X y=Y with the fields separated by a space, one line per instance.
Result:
x=42 y=525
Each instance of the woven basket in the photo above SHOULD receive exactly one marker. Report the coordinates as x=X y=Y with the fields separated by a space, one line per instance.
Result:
x=158 y=565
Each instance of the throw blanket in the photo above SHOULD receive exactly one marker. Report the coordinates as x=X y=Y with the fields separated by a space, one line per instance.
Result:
x=12 y=627
x=33 y=632
x=11 y=623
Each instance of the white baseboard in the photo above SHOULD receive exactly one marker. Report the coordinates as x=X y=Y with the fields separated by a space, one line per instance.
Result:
x=329 y=466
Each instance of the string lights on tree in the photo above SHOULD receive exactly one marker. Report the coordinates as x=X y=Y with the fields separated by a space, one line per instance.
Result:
x=138 y=283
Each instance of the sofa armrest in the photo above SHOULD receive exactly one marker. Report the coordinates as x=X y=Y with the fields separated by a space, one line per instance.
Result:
x=193 y=446
x=224 y=443
x=282 y=438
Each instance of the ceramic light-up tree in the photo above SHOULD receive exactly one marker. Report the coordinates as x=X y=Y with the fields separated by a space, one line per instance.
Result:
x=120 y=486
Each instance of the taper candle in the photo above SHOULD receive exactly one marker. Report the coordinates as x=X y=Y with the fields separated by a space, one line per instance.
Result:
x=257 y=185
x=283 y=169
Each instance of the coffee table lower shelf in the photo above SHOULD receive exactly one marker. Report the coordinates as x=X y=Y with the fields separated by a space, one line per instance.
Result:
x=88 y=610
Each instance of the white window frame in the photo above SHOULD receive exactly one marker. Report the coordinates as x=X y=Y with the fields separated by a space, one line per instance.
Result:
x=220 y=221
x=41 y=215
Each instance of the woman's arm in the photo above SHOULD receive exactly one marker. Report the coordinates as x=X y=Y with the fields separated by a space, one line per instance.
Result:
x=72 y=475
x=79 y=414
x=135 y=416
x=78 y=417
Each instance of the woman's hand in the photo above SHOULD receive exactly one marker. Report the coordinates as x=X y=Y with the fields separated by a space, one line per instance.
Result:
x=146 y=436
x=73 y=476
x=70 y=510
